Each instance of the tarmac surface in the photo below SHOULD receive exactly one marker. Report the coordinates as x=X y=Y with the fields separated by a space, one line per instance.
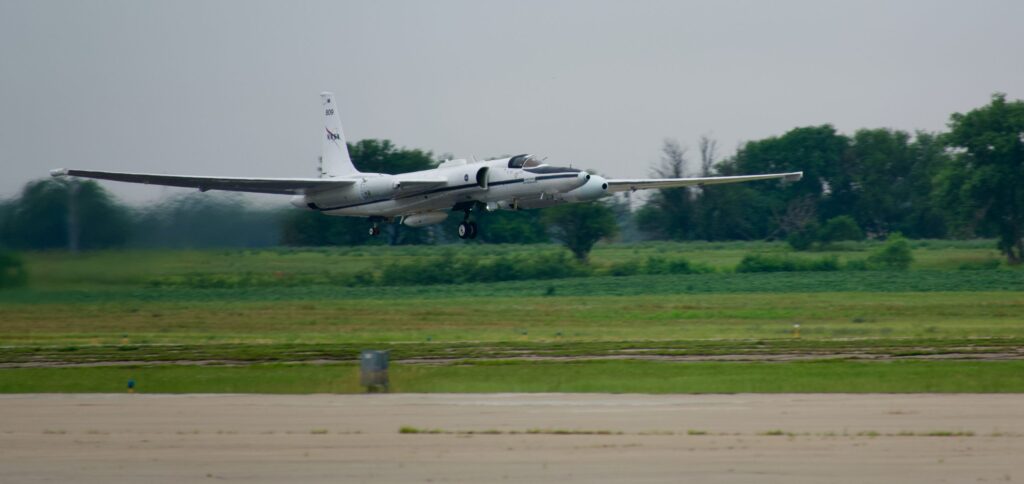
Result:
x=784 y=438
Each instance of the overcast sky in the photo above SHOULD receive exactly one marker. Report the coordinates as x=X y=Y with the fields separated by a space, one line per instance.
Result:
x=231 y=88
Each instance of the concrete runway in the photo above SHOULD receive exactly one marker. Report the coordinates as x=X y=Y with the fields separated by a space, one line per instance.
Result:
x=653 y=438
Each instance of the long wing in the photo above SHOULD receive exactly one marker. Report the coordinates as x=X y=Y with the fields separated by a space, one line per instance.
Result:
x=622 y=185
x=283 y=186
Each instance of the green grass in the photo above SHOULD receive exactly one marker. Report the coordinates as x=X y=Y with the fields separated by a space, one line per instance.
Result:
x=29 y=355
x=136 y=268
x=563 y=318
x=599 y=376
x=102 y=307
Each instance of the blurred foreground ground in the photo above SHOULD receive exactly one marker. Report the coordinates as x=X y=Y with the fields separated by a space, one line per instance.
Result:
x=512 y=438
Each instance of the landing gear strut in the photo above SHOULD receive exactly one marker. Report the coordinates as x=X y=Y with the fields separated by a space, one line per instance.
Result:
x=375 y=229
x=467 y=229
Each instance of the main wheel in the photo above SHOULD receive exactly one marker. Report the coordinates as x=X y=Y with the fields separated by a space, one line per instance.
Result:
x=374 y=231
x=472 y=230
x=464 y=230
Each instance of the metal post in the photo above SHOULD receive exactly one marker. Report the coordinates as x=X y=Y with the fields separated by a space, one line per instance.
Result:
x=373 y=366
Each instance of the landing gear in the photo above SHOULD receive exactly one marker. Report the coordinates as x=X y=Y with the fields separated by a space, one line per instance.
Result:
x=467 y=230
x=374 y=231
x=375 y=228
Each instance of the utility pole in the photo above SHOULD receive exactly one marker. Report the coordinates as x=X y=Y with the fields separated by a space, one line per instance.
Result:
x=73 y=225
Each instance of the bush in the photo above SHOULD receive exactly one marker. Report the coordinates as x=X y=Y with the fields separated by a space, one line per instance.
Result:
x=12 y=270
x=843 y=227
x=836 y=229
x=856 y=265
x=769 y=263
x=657 y=265
x=447 y=269
x=980 y=265
x=625 y=268
x=894 y=255
x=804 y=238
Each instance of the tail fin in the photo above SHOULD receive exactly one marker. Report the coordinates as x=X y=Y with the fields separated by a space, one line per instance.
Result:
x=335 y=160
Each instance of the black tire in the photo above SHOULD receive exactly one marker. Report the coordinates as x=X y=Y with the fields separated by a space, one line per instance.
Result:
x=464 y=230
x=472 y=230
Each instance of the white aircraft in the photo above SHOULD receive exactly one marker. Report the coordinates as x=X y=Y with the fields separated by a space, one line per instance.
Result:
x=424 y=197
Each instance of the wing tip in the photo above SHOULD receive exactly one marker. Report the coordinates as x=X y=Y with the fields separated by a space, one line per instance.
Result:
x=795 y=176
x=59 y=172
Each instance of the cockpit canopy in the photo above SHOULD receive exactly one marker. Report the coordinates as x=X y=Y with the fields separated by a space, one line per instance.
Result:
x=532 y=164
x=523 y=161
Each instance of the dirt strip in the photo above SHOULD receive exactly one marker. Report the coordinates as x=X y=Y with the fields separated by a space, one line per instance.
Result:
x=805 y=438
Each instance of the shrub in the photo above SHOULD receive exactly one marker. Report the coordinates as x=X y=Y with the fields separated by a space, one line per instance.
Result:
x=804 y=238
x=856 y=265
x=12 y=270
x=836 y=229
x=769 y=263
x=894 y=255
x=980 y=265
x=657 y=265
x=843 y=227
x=625 y=268
x=447 y=269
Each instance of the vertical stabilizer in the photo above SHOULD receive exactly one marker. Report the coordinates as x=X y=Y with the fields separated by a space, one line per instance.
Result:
x=334 y=160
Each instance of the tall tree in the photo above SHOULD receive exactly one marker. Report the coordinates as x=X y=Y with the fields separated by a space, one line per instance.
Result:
x=886 y=183
x=984 y=183
x=766 y=209
x=580 y=225
x=708 y=154
x=669 y=212
x=212 y=219
x=48 y=210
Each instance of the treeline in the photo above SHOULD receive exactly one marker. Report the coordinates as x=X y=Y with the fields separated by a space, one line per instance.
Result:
x=967 y=182
x=60 y=214
x=964 y=183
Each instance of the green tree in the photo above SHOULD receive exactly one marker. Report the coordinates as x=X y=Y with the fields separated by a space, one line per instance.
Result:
x=207 y=220
x=504 y=227
x=40 y=219
x=771 y=209
x=669 y=213
x=984 y=183
x=579 y=226
x=885 y=183
x=12 y=270
x=836 y=229
x=895 y=255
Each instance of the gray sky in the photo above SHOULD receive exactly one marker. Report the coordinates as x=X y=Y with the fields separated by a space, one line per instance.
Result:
x=231 y=87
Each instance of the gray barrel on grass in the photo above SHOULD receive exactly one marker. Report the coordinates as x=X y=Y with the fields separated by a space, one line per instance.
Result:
x=373 y=366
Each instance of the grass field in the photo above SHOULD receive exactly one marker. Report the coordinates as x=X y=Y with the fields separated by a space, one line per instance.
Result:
x=101 y=307
x=592 y=376
x=136 y=268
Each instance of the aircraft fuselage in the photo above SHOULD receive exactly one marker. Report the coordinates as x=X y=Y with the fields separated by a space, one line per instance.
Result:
x=494 y=183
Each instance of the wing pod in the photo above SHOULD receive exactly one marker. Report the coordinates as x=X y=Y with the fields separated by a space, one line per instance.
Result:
x=595 y=187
